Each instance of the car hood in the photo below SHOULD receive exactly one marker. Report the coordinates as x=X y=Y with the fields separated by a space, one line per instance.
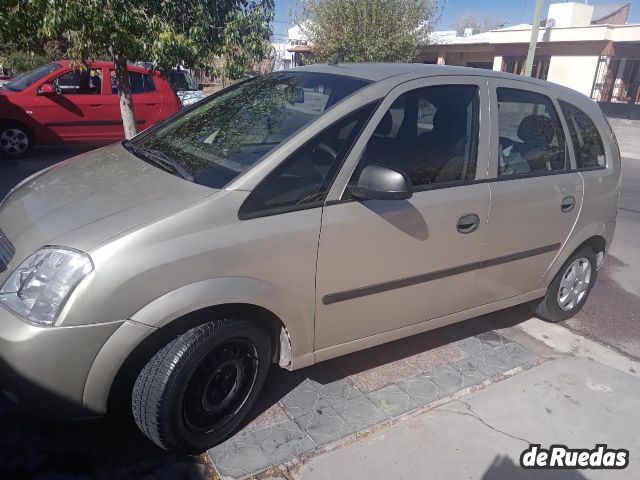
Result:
x=86 y=200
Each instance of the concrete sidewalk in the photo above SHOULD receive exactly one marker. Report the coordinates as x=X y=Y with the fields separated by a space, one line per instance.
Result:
x=628 y=135
x=583 y=395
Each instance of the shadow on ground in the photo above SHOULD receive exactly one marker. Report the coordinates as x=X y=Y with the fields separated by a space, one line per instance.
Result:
x=112 y=448
x=503 y=468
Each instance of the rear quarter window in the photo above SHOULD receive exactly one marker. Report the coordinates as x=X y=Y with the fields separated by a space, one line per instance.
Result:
x=587 y=143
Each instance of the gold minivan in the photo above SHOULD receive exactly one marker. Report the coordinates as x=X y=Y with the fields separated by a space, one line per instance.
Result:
x=289 y=219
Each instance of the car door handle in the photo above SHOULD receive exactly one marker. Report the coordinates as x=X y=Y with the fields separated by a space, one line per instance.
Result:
x=468 y=223
x=151 y=104
x=568 y=203
x=95 y=104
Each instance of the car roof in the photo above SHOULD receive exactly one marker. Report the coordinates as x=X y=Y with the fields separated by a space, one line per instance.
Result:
x=380 y=71
x=103 y=63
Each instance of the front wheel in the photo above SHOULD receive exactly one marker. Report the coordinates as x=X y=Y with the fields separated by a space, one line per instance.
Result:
x=570 y=288
x=196 y=390
x=15 y=140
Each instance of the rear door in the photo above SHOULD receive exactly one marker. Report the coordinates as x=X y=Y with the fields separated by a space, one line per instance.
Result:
x=388 y=264
x=147 y=99
x=536 y=193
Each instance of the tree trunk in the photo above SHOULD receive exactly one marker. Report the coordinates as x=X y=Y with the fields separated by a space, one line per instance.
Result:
x=124 y=94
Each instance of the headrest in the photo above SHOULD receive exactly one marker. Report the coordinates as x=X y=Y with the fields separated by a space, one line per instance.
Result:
x=449 y=120
x=536 y=129
x=385 y=125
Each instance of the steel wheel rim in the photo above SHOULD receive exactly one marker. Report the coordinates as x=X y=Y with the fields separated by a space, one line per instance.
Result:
x=220 y=386
x=574 y=284
x=14 y=141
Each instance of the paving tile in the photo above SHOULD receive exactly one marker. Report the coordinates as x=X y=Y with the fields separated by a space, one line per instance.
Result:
x=470 y=368
x=281 y=381
x=393 y=400
x=324 y=426
x=449 y=379
x=422 y=389
x=302 y=400
x=361 y=413
x=336 y=391
x=493 y=361
x=283 y=442
x=239 y=457
x=517 y=354
x=471 y=345
x=267 y=412
x=491 y=338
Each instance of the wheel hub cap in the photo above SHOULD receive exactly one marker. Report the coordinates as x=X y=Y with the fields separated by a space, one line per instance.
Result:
x=574 y=284
x=13 y=141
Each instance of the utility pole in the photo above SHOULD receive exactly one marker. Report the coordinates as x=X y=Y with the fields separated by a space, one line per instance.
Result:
x=534 y=39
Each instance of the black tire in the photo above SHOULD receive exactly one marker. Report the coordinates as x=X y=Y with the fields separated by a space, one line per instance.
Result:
x=195 y=391
x=548 y=308
x=21 y=134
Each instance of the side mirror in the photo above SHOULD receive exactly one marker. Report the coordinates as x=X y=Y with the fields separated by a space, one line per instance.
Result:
x=200 y=86
x=382 y=183
x=47 y=89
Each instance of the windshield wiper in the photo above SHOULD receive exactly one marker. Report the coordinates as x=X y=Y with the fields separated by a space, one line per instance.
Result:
x=161 y=159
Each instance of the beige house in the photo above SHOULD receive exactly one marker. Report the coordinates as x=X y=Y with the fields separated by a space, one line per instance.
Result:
x=591 y=49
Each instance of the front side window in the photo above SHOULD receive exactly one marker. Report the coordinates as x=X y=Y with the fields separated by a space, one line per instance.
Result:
x=80 y=81
x=587 y=143
x=232 y=131
x=304 y=179
x=431 y=134
x=531 y=140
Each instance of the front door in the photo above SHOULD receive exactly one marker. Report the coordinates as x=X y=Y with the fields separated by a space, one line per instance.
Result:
x=384 y=265
x=536 y=194
x=77 y=112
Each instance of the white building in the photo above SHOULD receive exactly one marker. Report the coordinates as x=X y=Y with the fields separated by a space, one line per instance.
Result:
x=590 y=49
x=291 y=52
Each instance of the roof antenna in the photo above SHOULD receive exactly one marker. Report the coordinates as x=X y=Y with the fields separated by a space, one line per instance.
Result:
x=337 y=58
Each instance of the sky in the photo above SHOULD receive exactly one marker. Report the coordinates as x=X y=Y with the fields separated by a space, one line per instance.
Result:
x=511 y=11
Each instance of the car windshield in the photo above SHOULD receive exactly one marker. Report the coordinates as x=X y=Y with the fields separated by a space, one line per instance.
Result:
x=232 y=131
x=25 y=80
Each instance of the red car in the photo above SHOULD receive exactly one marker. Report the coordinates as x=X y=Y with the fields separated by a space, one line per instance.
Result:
x=57 y=103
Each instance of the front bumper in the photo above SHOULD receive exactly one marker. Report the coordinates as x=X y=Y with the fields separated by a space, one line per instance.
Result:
x=45 y=369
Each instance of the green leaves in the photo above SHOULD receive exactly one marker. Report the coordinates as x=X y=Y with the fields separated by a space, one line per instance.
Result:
x=164 y=32
x=366 y=30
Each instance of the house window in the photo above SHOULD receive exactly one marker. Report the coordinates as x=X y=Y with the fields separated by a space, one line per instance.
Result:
x=539 y=69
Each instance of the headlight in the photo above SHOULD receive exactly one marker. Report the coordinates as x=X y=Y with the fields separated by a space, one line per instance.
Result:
x=38 y=288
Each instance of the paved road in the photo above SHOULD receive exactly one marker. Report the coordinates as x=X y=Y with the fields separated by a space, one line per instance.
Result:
x=612 y=312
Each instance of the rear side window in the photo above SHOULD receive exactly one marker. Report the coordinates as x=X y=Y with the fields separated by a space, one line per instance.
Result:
x=140 y=82
x=531 y=140
x=587 y=143
x=303 y=180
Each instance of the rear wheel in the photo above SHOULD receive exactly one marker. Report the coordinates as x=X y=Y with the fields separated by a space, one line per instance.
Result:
x=570 y=288
x=15 y=140
x=195 y=391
